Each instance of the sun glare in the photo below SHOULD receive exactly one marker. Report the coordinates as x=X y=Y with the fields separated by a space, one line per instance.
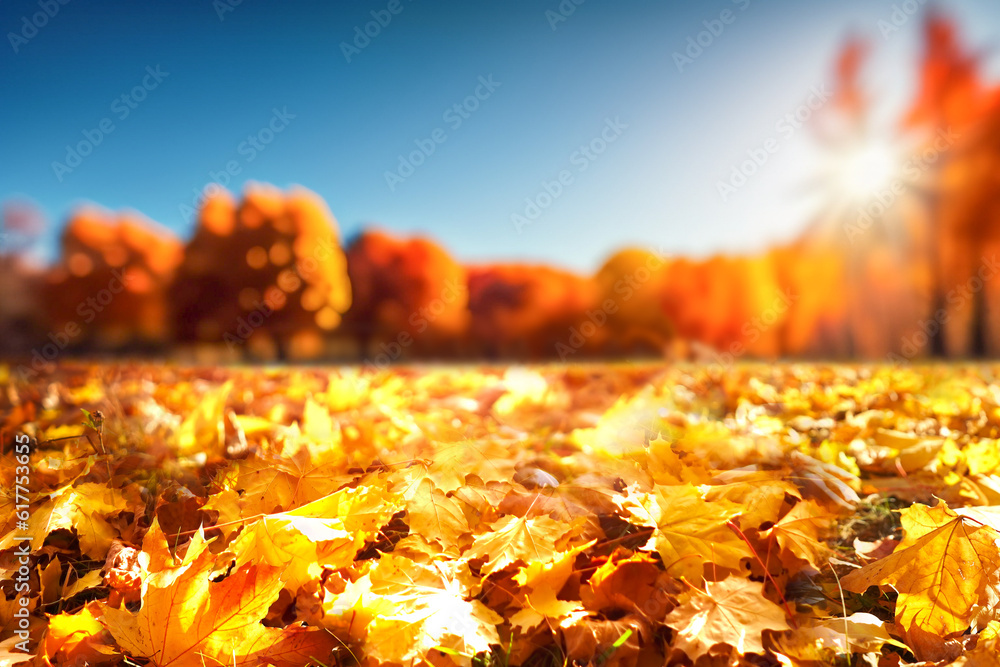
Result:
x=865 y=169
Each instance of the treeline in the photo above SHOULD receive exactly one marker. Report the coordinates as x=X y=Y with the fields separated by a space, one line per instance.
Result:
x=265 y=276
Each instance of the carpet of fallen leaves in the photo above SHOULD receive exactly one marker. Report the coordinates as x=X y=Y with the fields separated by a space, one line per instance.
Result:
x=546 y=516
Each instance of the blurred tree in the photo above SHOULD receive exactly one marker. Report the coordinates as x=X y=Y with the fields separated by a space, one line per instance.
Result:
x=630 y=288
x=963 y=197
x=696 y=298
x=532 y=312
x=23 y=321
x=410 y=297
x=110 y=288
x=22 y=318
x=265 y=276
x=813 y=279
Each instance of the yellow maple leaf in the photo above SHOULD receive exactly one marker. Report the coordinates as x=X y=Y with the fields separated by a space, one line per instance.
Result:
x=733 y=612
x=298 y=547
x=317 y=423
x=84 y=509
x=666 y=467
x=982 y=456
x=324 y=533
x=204 y=430
x=436 y=516
x=186 y=620
x=799 y=533
x=759 y=493
x=513 y=539
x=267 y=486
x=542 y=581
x=940 y=571
x=689 y=530
x=402 y=610
x=454 y=462
x=77 y=637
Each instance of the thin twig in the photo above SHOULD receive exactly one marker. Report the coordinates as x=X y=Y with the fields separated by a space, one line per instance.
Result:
x=843 y=604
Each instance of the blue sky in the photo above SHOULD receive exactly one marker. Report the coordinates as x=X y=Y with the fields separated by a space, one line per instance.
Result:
x=669 y=136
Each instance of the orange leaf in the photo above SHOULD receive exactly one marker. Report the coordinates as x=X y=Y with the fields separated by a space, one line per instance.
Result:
x=188 y=621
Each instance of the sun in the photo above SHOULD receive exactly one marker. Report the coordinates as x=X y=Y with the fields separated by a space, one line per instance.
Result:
x=864 y=168
x=857 y=173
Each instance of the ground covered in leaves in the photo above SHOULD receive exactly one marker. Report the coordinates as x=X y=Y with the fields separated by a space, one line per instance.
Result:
x=545 y=516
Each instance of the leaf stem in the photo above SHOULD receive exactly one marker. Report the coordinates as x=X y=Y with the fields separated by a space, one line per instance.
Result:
x=736 y=529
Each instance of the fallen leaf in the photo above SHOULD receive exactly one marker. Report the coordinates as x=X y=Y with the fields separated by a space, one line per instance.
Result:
x=733 y=612
x=940 y=574
x=689 y=530
x=187 y=620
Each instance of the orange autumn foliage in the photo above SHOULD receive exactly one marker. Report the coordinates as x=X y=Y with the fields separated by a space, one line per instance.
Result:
x=626 y=514
x=962 y=206
x=114 y=280
x=406 y=286
x=266 y=274
x=630 y=285
x=524 y=311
